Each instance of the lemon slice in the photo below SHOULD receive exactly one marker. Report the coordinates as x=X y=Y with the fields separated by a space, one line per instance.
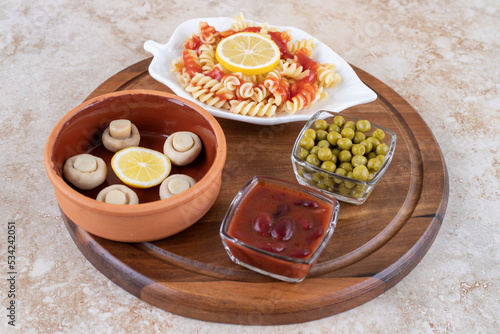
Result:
x=248 y=52
x=140 y=167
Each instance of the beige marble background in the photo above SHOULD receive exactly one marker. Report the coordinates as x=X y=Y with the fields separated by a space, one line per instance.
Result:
x=443 y=57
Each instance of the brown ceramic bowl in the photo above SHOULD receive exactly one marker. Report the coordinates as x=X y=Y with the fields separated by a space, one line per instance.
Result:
x=156 y=115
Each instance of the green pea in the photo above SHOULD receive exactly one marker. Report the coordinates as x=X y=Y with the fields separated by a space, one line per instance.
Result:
x=310 y=133
x=345 y=155
x=303 y=154
x=360 y=173
x=340 y=171
x=329 y=166
x=333 y=127
x=321 y=135
x=313 y=160
x=325 y=154
x=328 y=182
x=336 y=151
x=368 y=144
x=321 y=186
x=358 y=191
x=358 y=137
x=348 y=184
x=300 y=172
x=348 y=133
x=347 y=166
x=350 y=125
x=324 y=143
x=363 y=126
x=374 y=165
x=359 y=160
x=374 y=140
x=344 y=190
x=381 y=158
x=339 y=121
x=314 y=150
x=344 y=143
x=333 y=136
x=382 y=149
x=306 y=143
x=371 y=155
x=321 y=124
x=379 y=134
x=334 y=157
x=358 y=149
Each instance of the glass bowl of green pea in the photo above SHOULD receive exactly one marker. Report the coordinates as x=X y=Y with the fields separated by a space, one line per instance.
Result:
x=342 y=155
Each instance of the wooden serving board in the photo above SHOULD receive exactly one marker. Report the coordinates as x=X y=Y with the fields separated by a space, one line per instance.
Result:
x=373 y=247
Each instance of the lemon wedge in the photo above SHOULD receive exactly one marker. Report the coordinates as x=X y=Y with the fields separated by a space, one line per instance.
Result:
x=248 y=52
x=141 y=167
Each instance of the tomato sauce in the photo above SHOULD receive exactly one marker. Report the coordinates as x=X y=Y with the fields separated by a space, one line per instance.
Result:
x=192 y=67
x=216 y=73
x=281 y=42
x=280 y=220
x=252 y=29
x=193 y=43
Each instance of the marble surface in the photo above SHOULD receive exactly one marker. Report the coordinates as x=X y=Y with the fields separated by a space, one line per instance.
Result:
x=442 y=57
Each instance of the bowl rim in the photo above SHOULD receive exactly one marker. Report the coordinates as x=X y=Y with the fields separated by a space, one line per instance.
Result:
x=142 y=208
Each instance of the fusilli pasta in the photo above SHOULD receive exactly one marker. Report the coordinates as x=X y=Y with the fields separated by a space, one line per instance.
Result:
x=297 y=82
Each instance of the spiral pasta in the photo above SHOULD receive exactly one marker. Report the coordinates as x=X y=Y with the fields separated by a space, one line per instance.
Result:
x=291 y=70
x=260 y=92
x=252 y=108
x=327 y=77
x=297 y=82
x=307 y=44
x=207 y=57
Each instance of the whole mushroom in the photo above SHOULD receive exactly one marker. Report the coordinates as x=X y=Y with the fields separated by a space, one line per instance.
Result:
x=182 y=147
x=118 y=194
x=175 y=184
x=85 y=171
x=120 y=133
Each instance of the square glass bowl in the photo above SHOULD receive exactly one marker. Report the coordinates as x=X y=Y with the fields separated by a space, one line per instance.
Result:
x=341 y=187
x=278 y=228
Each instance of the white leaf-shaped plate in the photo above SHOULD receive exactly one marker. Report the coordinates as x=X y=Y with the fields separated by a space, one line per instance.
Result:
x=350 y=92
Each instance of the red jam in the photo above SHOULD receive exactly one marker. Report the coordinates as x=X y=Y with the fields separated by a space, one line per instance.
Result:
x=280 y=220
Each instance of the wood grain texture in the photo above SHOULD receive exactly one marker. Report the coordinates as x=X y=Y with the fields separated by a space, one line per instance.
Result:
x=374 y=245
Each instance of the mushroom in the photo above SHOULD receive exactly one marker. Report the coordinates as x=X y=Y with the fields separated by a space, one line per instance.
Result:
x=182 y=147
x=118 y=194
x=85 y=171
x=120 y=133
x=175 y=184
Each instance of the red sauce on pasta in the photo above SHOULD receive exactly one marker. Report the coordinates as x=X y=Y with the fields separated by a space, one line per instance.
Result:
x=216 y=73
x=193 y=43
x=192 y=66
x=252 y=29
x=306 y=86
x=281 y=41
x=308 y=64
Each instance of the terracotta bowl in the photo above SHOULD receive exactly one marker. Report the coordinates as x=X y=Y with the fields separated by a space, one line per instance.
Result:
x=156 y=115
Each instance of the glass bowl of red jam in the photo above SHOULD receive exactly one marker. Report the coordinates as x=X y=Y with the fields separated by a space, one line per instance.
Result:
x=329 y=161
x=278 y=228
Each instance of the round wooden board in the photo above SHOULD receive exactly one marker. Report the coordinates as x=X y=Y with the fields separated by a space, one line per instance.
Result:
x=374 y=245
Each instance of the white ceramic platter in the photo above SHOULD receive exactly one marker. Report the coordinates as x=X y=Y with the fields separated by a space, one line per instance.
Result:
x=350 y=92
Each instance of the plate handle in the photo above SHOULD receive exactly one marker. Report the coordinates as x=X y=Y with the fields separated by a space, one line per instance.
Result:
x=152 y=47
